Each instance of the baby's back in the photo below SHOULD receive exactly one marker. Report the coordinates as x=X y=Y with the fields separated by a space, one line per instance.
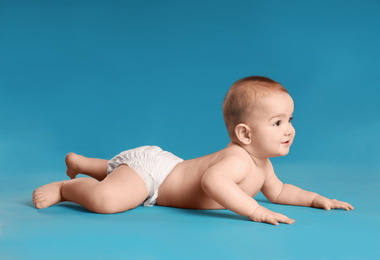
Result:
x=182 y=188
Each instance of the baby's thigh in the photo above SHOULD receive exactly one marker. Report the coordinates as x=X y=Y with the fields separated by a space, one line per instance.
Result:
x=123 y=188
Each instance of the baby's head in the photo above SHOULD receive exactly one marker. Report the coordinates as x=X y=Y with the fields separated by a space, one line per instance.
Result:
x=242 y=99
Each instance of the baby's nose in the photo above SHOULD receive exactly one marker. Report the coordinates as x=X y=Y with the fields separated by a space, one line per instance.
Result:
x=290 y=130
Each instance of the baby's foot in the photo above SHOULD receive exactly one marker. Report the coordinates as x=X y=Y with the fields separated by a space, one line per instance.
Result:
x=72 y=165
x=47 y=195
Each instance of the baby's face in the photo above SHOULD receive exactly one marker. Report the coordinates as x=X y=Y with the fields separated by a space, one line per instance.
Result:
x=270 y=122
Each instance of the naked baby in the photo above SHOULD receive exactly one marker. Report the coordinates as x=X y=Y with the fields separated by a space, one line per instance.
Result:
x=257 y=112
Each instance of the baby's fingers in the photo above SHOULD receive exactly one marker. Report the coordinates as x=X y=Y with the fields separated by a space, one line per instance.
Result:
x=284 y=219
x=279 y=218
x=347 y=206
x=271 y=221
x=342 y=205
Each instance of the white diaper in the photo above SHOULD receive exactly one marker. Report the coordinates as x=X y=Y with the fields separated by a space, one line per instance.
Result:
x=151 y=163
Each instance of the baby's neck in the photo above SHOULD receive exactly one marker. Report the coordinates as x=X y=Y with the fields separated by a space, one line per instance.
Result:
x=260 y=162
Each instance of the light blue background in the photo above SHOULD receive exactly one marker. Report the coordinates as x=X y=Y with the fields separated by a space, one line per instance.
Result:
x=99 y=77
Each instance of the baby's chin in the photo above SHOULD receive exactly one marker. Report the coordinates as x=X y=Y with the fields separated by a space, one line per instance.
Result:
x=281 y=154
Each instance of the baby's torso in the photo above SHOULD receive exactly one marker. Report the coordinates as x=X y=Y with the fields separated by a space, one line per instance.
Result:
x=182 y=187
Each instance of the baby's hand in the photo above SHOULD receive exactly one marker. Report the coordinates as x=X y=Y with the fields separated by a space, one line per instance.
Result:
x=262 y=214
x=327 y=204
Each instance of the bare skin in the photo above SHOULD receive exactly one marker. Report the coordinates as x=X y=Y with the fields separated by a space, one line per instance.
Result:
x=118 y=192
x=229 y=178
x=183 y=187
x=48 y=195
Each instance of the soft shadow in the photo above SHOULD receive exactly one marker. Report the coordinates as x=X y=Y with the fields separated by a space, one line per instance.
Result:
x=28 y=203
x=67 y=205
x=225 y=214
x=75 y=207
x=263 y=201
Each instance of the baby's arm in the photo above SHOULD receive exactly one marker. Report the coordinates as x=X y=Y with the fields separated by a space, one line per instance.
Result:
x=280 y=193
x=220 y=182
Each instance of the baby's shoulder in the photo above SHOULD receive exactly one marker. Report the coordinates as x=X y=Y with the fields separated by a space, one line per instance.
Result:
x=235 y=159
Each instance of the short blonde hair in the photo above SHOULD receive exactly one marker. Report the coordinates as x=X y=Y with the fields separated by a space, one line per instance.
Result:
x=241 y=98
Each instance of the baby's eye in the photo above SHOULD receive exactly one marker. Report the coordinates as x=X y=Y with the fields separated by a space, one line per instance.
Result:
x=278 y=123
x=291 y=119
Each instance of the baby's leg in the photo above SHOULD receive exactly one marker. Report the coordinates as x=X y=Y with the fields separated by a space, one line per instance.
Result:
x=120 y=191
x=96 y=168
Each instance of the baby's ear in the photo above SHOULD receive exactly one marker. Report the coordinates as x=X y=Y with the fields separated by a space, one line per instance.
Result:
x=243 y=133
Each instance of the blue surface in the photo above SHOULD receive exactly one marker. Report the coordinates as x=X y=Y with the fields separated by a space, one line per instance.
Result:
x=99 y=77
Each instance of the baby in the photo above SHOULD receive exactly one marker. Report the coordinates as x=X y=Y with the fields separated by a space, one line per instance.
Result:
x=257 y=112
